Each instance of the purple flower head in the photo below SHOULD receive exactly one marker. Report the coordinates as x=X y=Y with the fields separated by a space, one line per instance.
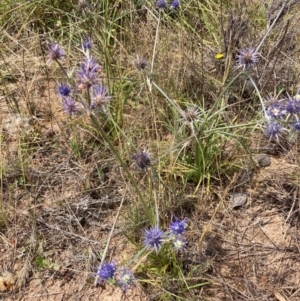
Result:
x=175 y=4
x=87 y=44
x=100 y=95
x=69 y=106
x=142 y=159
x=273 y=129
x=270 y=100
x=275 y=110
x=63 y=90
x=55 y=52
x=247 y=57
x=87 y=74
x=292 y=106
x=89 y=66
x=179 y=243
x=153 y=238
x=297 y=126
x=177 y=226
x=126 y=279
x=140 y=64
x=107 y=271
x=161 y=4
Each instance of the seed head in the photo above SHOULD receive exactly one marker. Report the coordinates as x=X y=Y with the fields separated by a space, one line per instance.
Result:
x=246 y=58
x=107 y=271
x=69 y=106
x=126 y=279
x=190 y=115
x=153 y=238
x=177 y=226
x=83 y=4
x=140 y=64
x=142 y=159
x=179 y=243
x=55 y=52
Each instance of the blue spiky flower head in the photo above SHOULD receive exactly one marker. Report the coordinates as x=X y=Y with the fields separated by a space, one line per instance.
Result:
x=276 y=110
x=86 y=44
x=107 y=271
x=161 y=4
x=69 y=106
x=87 y=75
x=126 y=279
x=297 y=126
x=273 y=130
x=100 y=95
x=247 y=58
x=178 y=226
x=292 y=106
x=175 y=4
x=63 y=90
x=153 y=238
x=55 y=52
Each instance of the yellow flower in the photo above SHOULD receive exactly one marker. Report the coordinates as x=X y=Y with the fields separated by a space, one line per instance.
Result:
x=219 y=56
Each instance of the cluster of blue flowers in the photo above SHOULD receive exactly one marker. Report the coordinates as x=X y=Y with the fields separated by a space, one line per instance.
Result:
x=109 y=273
x=87 y=93
x=281 y=114
x=162 y=4
x=154 y=237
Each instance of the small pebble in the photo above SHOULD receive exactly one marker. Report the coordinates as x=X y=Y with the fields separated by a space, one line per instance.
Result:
x=263 y=160
x=238 y=199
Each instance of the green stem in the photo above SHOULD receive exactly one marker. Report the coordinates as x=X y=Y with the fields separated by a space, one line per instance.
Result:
x=259 y=96
x=155 y=43
x=64 y=71
x=113 y=149
x=223 y=92
x=270 y=28
x=168 y=98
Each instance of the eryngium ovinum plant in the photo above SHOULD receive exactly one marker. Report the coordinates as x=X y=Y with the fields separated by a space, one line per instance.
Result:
x=281 y=114
x=200 y=133
x=86 y=94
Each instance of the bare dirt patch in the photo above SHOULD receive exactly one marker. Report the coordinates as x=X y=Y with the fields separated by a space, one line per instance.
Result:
x=259 y=256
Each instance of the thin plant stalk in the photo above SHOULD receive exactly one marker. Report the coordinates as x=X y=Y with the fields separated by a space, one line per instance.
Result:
x=116 y=153
x=155 y=42
x=270 y=28
x=259 y=96
x=109 y=239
